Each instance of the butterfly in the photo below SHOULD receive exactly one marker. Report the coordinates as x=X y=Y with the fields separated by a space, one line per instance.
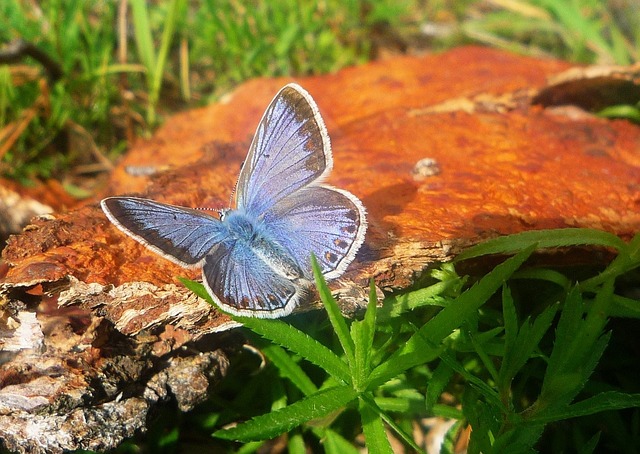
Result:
x=256 y=256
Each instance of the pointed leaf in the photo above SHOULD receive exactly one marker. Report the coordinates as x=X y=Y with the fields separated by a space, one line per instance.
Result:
x=362 y=333
x=300 y=343
x=438 y=382
x=288 y=368
x=335 y=316
x=197 y=288
x=334 y=443
x=374 y=434
x=425 y=345
x=283 y=420
x=143 y=38
x=544 y=239
x=606 y=401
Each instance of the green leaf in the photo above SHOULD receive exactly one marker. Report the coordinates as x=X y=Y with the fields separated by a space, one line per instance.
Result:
x=425 y=345
x=250 y=448
x=578 y=346
x=283 y=420
x=629 y=112
x=288 y=368
x=590 y=446
x=520 y=342
x=362 y=333
x=480 y=414
x=335 y=316
x=451 y=438
x=334 y=443
x=198 y=289
x=395 y=306
x=295 y=444
x=143 y=38
x=452 y=316
x=300 y=343
x=374 y=434
x=624 y=307
x=544 y=274
x=478 y=384
x=606 y=401
x=544 y=239
x=437 y=384
x=405 y=405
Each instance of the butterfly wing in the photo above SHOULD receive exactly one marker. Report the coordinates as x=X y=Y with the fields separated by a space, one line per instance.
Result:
x=327 y=221
x=181 y=235
x=290 y=150
x=241 y=283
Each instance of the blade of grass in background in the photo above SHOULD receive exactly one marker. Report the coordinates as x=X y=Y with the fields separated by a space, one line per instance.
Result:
x=154 y=62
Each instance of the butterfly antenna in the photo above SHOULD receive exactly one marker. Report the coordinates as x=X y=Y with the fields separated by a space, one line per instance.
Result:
x=235 y=186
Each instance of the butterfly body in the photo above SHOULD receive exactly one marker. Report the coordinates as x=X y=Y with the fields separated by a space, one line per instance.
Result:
x=249 y=233
x=256 y=258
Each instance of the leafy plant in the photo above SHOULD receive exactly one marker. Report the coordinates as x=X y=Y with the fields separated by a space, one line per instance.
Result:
x=512 y=378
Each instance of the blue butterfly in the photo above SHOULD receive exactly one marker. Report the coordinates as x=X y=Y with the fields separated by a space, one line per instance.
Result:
x=256 y=258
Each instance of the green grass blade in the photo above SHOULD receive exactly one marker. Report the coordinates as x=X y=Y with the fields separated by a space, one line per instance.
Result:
x=142 y=34
x=283 y=420
x=175 y=8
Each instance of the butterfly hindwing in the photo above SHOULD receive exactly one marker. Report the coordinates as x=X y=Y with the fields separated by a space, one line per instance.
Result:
x=242 y=283
x=182 y=235
x=290 y=150
x=329 y=222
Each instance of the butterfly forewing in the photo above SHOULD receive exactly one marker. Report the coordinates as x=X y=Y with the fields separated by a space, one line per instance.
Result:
x=182 y=235
x=290 y=150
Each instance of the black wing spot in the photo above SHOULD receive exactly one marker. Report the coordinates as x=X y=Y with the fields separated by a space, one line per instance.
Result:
x=330 y=257
x=341 y=244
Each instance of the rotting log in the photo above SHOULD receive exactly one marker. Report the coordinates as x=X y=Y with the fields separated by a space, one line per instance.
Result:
x=443 y=150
